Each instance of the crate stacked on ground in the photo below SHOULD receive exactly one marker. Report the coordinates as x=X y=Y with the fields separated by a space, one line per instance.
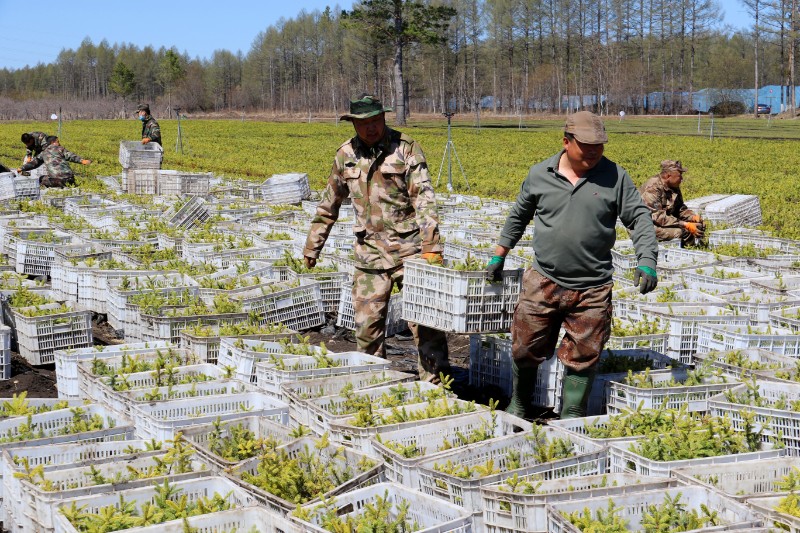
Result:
x=64 y=270
x=14 y=186
x=751 y=237
x=683 y=323
x=295 y=304
x=632 y=511
x=461 y=301
x=718 y=277
x=190 y=214
x=226 y=258
x=759 y=304
x=669 y=388
x=299 y=394
x=140 y=164
x=43 y=489
x=786 y=286
x=98 y=211
x=190 y=497
x=123 y=313
x=744 y=480
x=305 y=470
x=270 y=374
x=642 y=333
x=34 y=253
x=177 y=182
x=458 y=477
x=245 y=519
x=773 y=408
x=285 y=188
x=204 y=341
x=520 y=505
x=42 y=325
x=162 y=321
x=241 y=354
x=747 y=362
x=787 y=318
x=346 y=317
x=720 y=337
x=324 y=272
x=673 y=259
x=397 y=506
x=5 y=352
x=735 y=210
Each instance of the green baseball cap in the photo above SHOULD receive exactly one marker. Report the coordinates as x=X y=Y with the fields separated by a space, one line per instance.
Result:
x=365 y=107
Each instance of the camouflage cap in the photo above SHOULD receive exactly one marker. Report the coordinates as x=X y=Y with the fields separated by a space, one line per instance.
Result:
x=668 y=165
x=144 y=107
x=364 y=107
x=586 y=127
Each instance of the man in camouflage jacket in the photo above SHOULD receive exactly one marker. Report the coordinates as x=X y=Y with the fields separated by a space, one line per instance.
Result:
x=34 y=141
x=151 y=131
x=56 y=161
x=385 y=174
x=671 y=218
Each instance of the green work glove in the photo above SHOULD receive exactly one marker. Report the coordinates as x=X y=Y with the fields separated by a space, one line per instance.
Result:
x=646 y=278
x=494 y=270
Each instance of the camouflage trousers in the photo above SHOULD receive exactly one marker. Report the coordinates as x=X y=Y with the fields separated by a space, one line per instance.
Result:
x=371 y=292
x=544 y=307
x=687 y=239
x=58 y=183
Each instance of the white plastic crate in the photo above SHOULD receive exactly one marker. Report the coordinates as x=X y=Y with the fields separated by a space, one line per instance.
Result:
x=299 y=393
x=741 y=481
x=35 y=258
x=37 y=507
x=298 y=308
x=67 y=362
x=759 y=304
x=431 y=514
x=429 y=439
x=717 y=277
x=768 y=419
x=787 y=318
x=757 y=361
x=695 y=397
x=5 y=352
x=139 y=180
x=768 y=508
x=589 y=459
x=748 y=236
x=330 y=285
x=242 y=355
x=683 y=324
x=207 y=347
x=192 y=213
x=718 y=337
x=506 y=511
x=730 y=512
x=346 y=313
x=326 y=409
x=177 y=182
x=269 y=376
x=461 y=302
x=168 y=328
x=342 y=458
x=7 y=186
x=27 y=187
x=200 y=437
x=192 y=489
x=246 y=519
x=39 y=336
x=160 y=420
x=134 y=154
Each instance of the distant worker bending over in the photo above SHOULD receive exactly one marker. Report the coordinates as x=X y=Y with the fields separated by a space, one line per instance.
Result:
x=671 y=218
x=34 y=141
x=151 y=131
x=56 y=160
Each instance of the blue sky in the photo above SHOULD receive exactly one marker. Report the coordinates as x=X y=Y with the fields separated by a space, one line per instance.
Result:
x=197 y=27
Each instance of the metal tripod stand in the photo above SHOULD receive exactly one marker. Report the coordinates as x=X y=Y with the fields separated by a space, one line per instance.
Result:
x=449 y=152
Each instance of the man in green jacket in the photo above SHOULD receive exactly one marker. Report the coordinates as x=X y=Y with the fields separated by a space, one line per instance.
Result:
x=575 y=197
x=151 y=131
x=34 y=141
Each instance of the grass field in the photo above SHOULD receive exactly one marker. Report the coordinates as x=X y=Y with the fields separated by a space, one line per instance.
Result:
x=746 y=156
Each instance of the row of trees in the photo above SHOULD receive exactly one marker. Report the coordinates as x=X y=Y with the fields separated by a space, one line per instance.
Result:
x=511 y=56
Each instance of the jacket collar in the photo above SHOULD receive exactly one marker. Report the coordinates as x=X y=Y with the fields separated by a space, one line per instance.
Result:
x=381 y=146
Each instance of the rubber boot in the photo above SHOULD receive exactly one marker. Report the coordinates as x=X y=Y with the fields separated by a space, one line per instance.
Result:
x=523 y=382
x=575 y=396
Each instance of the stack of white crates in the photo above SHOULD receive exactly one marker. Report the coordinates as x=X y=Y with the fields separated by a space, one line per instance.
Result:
x=286 y=188
x=140 y=164
x=728 y=209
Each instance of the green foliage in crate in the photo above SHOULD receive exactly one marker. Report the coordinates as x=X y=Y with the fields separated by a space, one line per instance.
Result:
x=752 y=396
x=298 y=266
x=791 y=374
x=380 y=515
x=705 y=374
x=749 y=249
x=305 y=475
x=237 y=442
x=79 y=423
x=367 y=417
x=168 y=504
x=19 y=405
x=27 y=298
x=614 y=363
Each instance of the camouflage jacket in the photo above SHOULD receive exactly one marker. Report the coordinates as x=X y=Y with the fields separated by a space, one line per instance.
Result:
x=39 y=142
x=151 y=130
x=393 y=202
x=665 y=204
x=56 y=161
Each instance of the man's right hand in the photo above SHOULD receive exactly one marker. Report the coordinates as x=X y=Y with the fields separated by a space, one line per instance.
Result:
x=310 y=262
x=145 y=140
x=494 y=270
x=694 y=228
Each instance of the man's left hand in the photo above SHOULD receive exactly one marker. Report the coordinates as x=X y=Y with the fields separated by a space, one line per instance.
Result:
x=146 y=140
x=433 y=258
x=645 y=278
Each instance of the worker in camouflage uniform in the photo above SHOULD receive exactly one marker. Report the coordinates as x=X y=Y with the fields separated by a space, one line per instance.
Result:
x=151 y=131
x=575 y=197
x=385 y=174
x=671 y=217
x=56 y=161
x=34 y=141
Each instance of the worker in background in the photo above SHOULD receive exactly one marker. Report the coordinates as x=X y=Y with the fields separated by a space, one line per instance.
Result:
x=56 y=160
x=34 y=141
x=151 y=131
x=671 y=218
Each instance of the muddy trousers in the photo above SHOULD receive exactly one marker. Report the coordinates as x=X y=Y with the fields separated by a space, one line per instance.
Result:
x=371 y=292
x=544 y=308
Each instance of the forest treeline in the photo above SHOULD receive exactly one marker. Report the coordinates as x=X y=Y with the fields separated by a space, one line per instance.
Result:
x=506 y=56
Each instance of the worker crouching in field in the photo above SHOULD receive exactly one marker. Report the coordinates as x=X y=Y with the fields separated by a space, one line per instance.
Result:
x=56 y=161
x=34 y=141
x=575 y=197
x=385 y=174
x=671 y=217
